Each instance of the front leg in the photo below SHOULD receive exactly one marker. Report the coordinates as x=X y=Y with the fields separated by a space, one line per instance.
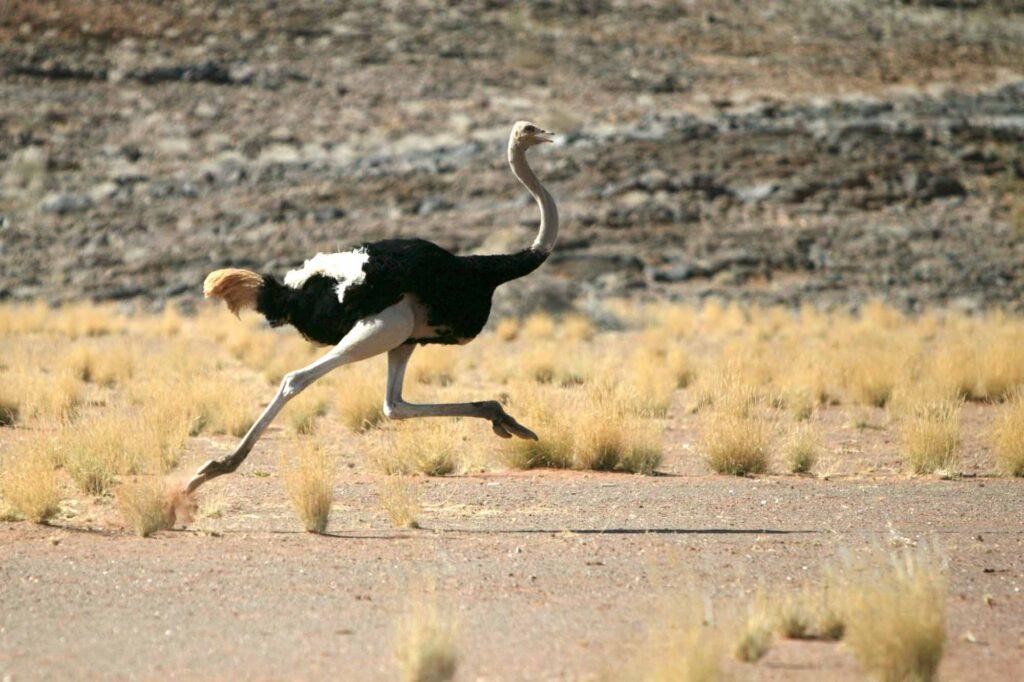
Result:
x=395 y=407
x=371 y=336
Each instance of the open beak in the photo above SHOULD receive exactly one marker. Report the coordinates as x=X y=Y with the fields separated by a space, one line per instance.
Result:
x=544 y=136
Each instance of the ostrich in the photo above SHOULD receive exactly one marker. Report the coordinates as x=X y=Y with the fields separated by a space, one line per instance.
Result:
x=387 y=297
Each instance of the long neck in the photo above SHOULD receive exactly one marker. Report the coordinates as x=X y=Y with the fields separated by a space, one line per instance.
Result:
x=548 y=232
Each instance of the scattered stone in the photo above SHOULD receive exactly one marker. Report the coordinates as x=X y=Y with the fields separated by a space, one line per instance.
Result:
x=65 y=203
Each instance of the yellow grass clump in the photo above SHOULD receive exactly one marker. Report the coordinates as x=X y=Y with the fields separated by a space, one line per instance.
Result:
x=507 y=329
x=303 y=411
x=146 y=505
x=9 y=404
x=97 y=450
x=576 y=328
x=1008 y=436
x=895 y=614
x=538 y=326
x=803 y=449
x=1001 y=362
x=359 y=391
x=682 y=649
x=28 y=481
x=399 y=497
x=754 y=635
x=433 y=365
x=435 y=447
x=809 y=613
x=736 y=442
x=425 y=644
x=929 y=435
x=309 y=479
x=105 y=362
x=46 y=396
x=588 y=427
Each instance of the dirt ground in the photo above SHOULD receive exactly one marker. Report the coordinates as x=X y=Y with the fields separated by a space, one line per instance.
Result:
x=550 y=574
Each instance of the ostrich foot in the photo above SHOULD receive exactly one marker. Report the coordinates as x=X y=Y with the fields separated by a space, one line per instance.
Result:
x=212 y=469
x=506 y=426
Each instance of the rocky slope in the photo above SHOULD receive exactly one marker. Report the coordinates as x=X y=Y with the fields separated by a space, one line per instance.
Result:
x=139 y=151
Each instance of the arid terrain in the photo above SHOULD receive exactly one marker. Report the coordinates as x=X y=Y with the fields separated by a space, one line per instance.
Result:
x=776 y=361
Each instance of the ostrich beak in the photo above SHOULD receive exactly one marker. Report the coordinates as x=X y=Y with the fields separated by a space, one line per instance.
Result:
x=544 y=136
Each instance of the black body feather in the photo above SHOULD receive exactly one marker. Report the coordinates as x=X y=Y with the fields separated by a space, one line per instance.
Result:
x=455 y=290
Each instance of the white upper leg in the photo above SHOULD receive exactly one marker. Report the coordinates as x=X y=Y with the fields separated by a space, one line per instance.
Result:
x=370 y=336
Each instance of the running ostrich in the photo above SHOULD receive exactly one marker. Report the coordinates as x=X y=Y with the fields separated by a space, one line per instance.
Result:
x=387 y=297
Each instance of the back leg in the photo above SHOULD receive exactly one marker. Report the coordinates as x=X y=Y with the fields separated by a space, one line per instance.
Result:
x=370 y=336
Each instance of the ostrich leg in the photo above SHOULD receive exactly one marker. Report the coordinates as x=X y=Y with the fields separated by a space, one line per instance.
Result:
x=396 y=408
x=369 y=337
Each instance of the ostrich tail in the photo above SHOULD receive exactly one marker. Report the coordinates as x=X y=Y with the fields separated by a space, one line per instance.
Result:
x=240 y=289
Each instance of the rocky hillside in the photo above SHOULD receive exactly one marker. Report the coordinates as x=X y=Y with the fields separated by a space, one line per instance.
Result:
x=804 y=151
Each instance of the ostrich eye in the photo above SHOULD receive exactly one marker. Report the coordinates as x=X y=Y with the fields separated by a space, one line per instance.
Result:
x=530 y=129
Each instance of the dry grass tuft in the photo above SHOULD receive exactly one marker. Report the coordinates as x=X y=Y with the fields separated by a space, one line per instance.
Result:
x=146 y=505
x=399 y=496
x=682 y=648
x=576 y=328
x=929 y=435
x=433 y=365
x=895 y=614
x=588 y=427
x=736 y=443
x=1008 y=437
x=507 y=329
x=97 y=450
x=9 y=404
x=538 y=326
x=29 y=483
x=360 y=396
x=803 y=449
x=425 y=646
x=309 y=479
x=754 y=636
x=809 y=613
x=46 y=396
x=432 y=447
x=303 y=411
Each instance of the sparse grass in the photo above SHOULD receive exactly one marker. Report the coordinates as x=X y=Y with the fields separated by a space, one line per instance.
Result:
x=1008 y=437
x=432 y=447
x=28 y=481
x=754 y=636
x=97 y=450
x=736 y=443
x=433 y=365
x=45 y=396
x=803 y=449
x=682 y=649
x=425 y=643
x=308 y=474
x=145 y=505
x=9 y=405
x=399 y=497
x=538 y=326
x=360 y=397
x=507 y=329
x=576 y=328
x=895 y=614
x=809 y=613
x=303 y=411
x=588 y=427
x=929 y=435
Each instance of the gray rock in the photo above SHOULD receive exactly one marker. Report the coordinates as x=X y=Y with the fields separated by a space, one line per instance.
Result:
x=753 y=193
x=65 y=203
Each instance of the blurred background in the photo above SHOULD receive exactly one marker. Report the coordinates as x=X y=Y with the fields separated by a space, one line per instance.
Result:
x=814 y=151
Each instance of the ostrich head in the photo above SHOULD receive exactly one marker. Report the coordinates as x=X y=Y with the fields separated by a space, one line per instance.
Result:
x=525 y=135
